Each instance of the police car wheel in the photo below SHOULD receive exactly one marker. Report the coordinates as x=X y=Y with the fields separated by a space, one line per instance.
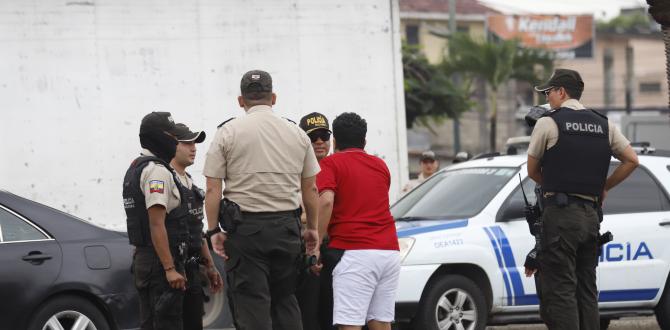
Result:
x=662 y=310
x=68 y=312
x=452 y=302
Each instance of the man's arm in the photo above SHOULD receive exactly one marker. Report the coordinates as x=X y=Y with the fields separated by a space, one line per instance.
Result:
x=310 y=200
x=159 y=239
x=629 y=162
x=534 y=169
x=212 y=203
x=326 y=200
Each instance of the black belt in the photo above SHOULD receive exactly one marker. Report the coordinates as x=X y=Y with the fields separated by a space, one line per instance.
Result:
x=563 y=199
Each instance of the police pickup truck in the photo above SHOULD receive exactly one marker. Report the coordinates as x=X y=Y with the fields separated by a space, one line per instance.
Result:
x=464 y=240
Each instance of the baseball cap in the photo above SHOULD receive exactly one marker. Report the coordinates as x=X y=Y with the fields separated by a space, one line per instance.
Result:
x=184 y=134
x=563 y=78
x=158 y=120
x=256 y=81
x=314 y=121
x=427 y=155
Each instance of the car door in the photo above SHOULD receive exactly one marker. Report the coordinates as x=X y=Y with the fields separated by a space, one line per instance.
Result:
x=514 y=242
x=632 y=268
x=30 y=261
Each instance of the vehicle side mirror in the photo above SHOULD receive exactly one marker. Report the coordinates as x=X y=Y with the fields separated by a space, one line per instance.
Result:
x=512 y=211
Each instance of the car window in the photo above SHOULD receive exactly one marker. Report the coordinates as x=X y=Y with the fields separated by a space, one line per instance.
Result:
x=638 y=193
x=516 y=198
x=454 y=194
x=13 y=228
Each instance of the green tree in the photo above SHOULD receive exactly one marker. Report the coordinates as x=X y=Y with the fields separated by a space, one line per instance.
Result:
x=496 y=63
x=430 y=96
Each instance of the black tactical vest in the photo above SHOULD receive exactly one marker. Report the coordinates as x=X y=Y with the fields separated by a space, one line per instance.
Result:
x=579 y=161
x=137 y=217
x=195 y=221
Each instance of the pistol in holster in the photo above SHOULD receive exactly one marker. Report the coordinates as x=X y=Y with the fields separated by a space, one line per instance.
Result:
x=230 y=215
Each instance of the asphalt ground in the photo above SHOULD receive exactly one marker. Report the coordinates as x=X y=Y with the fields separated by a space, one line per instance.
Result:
x=629 y=323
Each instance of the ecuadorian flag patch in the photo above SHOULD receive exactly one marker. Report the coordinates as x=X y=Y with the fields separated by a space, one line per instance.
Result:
x=156 y=186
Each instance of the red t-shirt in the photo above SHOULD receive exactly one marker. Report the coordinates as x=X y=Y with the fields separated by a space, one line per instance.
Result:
x=361 y=218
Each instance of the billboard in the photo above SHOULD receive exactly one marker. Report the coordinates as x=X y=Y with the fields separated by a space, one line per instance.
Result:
x=570 y=36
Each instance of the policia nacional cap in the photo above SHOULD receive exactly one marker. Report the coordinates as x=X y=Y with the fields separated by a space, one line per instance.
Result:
x=184 y=134
x=158 y=121
x=314 y=121
x=256 y=81
x=563 y=78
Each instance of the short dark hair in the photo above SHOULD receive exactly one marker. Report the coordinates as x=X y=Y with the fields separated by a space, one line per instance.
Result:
x=349 y=130
x=574 y=92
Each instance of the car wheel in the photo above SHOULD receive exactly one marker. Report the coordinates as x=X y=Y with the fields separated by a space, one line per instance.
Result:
x=662 y=310
x=452 y=302
x=68 y=312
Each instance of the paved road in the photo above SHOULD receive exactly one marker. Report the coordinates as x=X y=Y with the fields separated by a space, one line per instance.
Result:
x=632 y=323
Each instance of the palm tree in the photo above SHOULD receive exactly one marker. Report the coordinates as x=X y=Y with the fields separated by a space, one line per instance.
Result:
x=660 y=11
x=496 y=63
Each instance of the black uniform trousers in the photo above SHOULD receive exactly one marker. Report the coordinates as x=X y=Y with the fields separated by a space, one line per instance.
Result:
x=262 y=271
x=569 y=294
x=194 y=296
x=151 y=283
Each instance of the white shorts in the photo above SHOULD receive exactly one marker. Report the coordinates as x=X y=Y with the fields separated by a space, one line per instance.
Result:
x=364 y=286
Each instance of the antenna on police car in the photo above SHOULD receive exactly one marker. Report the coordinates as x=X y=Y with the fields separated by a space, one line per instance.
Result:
x=523 y=191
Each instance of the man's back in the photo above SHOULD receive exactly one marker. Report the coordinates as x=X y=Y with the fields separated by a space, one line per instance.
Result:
x=361 y=218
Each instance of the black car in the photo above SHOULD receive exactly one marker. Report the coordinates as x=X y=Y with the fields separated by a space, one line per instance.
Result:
x=60 y=272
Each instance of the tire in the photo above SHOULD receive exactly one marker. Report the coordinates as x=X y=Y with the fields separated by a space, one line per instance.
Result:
x=217 y=309
x=66 y=311
x=452 y=302
x=662 y=310
x=604 y=324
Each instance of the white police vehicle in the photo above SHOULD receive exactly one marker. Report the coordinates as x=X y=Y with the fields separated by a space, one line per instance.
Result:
x=464 y=240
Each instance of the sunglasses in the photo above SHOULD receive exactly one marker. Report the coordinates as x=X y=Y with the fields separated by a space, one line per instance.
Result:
x=319 y=134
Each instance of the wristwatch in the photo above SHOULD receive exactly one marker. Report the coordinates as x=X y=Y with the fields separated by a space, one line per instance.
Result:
x=212 y=232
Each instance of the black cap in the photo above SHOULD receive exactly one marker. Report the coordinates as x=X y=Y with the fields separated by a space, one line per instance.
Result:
x=563 y=78
x=158 y=120
x=256 y=81
x=427 y=155
x=184 y=134
x=314 y=121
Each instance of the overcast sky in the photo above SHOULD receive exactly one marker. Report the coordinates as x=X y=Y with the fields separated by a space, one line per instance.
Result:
x=601 y=9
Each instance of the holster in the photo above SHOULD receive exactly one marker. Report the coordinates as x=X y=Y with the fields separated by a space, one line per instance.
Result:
x=230 y=215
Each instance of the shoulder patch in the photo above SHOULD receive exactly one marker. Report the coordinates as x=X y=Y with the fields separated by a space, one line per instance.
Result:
x=156 y=186
x=290 y=120
x=225 y=122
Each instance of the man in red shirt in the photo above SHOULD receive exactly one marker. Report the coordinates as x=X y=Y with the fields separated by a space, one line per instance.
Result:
x=354 y=209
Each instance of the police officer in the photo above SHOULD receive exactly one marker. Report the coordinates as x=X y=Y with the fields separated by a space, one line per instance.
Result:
x=315 y=292
x=569 y=155
x=198 y=253
x=266 y=163
x=157 y=224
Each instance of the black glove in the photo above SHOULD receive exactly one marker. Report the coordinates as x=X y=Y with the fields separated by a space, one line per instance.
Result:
x=531 y=260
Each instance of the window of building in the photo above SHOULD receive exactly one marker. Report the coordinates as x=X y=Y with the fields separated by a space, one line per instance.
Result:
x=650 y=87
x=463 y=29
x=412 y=34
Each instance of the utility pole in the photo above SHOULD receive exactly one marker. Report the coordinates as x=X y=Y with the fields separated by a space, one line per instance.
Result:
x=452 y=32
x=629 y=79
x=608 y=65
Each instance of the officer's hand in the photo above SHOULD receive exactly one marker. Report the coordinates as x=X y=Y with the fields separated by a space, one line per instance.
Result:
x=215 y=280
x=311 y=237
x=530 y=271
x=176 y=280
x=217 y=244
x=602 y=197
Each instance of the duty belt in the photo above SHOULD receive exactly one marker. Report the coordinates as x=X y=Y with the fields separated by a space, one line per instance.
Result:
x=563 y=199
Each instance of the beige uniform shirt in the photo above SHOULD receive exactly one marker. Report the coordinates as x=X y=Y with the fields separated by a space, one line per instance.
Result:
x=158 y=185
x=545 y=136
x=262 y=158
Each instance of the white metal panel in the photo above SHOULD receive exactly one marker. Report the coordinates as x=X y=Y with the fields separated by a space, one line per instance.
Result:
x=76 y=77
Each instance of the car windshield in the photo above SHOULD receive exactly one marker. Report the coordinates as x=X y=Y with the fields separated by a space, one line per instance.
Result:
x=454 y=194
